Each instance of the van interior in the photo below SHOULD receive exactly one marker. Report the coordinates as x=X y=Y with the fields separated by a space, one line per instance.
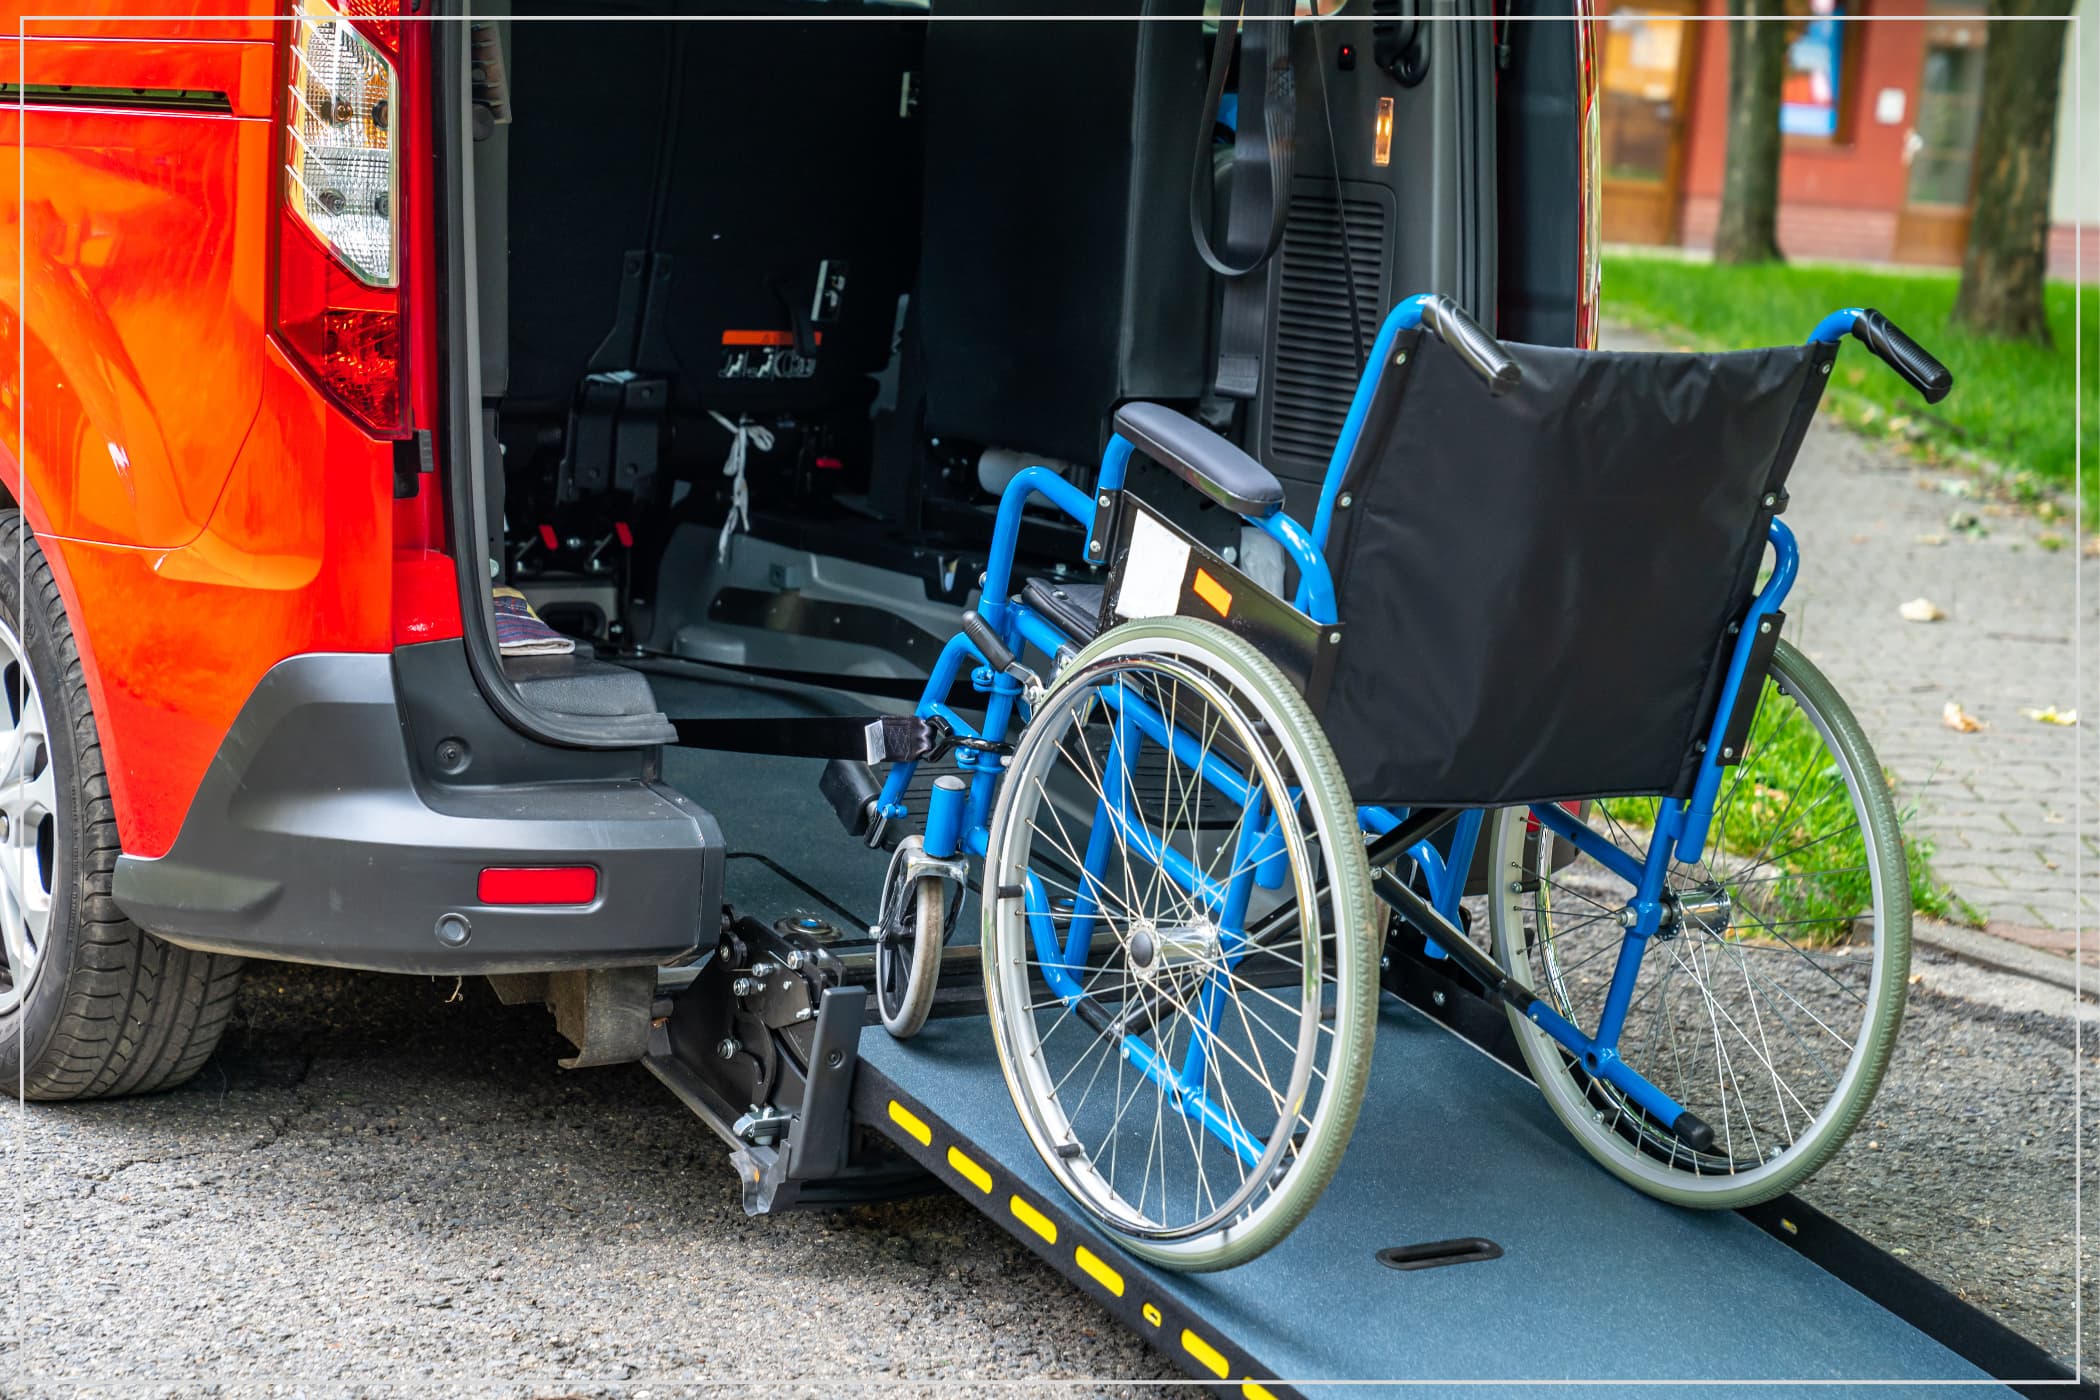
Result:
x=769 y=309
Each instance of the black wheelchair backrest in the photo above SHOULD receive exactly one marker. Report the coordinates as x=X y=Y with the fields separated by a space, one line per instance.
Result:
x=1536 y=588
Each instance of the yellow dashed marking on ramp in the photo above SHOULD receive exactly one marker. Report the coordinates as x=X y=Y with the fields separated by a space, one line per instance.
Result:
x=911 y=1123
x=1034 y=1219
x=1099 y=1271
x=977 y=1176
x=1204 y=1352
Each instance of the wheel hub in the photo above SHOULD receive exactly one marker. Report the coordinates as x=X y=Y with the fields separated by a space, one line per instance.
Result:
x=1160 y=951
x=1703 y=908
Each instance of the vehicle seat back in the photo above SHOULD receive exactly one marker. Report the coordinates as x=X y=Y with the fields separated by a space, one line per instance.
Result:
x=588 y=100
x=1057 y=277
x=791 y=215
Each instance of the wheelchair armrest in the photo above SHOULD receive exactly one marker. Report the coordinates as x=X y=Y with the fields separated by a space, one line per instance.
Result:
x=1201 y=458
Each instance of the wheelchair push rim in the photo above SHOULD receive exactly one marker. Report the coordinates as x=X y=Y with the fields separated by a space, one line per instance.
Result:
x=1190 y=1086
x=1770 y=1004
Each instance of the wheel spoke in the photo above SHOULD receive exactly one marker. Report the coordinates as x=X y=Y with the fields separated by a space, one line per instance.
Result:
x=1239 y=1067
x=1744 y=1013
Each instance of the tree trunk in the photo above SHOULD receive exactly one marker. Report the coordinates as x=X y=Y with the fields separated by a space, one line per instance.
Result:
x=2008 y=252
x=1749 y=227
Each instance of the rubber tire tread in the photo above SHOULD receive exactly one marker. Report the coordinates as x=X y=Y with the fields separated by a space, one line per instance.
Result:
x=924 y=979
x=1356 y=1005
x=113 y=1010
x=1814 y=691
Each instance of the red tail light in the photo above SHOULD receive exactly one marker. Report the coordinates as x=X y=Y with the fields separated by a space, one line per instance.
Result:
x=379 y=19
x=353 y=273
x=337 y=290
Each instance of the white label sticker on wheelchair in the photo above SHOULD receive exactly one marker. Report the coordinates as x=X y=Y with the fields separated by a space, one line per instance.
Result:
x=1152 y=570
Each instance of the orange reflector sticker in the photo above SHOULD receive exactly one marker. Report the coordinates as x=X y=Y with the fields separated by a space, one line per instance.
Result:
x=1213 y=593
x=766 y=338
x=911 y=1123
x=1204 y=1352
x=977 y=1176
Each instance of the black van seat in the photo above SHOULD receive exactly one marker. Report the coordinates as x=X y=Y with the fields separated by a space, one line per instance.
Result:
x=792 y=211
x=773 y=166
x=1076 y=607
x=1057 y=277
x=579 y=201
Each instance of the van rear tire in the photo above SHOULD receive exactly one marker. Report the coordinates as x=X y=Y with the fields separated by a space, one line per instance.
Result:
x=91 y=1005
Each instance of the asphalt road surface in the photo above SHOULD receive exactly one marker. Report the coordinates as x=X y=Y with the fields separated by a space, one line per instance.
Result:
x=385 y=1185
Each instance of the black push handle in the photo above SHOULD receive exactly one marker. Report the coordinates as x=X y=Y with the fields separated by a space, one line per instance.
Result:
x=1474 y=345
x=1900 y=353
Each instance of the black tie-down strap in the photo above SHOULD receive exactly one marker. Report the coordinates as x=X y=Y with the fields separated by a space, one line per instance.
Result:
x=870 y=739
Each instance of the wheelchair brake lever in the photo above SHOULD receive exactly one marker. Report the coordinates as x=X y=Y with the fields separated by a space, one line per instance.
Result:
x=999 y=656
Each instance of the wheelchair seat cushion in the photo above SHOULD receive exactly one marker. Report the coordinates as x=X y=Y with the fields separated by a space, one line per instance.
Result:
x=1536 y=588
x=1074 y=607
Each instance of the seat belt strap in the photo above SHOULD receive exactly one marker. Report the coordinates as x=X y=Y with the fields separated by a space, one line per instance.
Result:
x=870 y=739
x=1263 y=152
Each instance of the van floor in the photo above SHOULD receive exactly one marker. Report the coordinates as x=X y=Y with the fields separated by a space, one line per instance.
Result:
x=788 y=855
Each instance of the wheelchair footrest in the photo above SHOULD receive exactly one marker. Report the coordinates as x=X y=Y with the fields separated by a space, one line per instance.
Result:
x=850 y=787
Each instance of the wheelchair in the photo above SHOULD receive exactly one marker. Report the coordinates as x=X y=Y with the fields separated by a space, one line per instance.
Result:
x=1524 y=683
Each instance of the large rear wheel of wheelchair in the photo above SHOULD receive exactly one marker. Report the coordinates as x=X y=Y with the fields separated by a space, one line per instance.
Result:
x=1769 y=1002
x=1180 y=949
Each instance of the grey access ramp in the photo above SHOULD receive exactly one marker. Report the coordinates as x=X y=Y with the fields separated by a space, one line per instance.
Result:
x=1596 y=1282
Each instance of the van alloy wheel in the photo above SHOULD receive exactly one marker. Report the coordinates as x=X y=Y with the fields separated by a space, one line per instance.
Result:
x=28 y=822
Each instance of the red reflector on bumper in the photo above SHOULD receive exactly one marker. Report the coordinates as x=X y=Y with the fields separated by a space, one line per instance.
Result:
x=538 y=884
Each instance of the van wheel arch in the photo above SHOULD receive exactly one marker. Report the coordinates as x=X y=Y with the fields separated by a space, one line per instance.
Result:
x=101 y=1007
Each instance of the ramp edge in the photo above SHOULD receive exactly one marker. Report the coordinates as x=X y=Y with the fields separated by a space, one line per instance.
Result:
x=1068 y=1244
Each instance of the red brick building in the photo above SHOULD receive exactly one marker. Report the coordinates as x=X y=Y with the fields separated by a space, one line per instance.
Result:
x=1880 y=115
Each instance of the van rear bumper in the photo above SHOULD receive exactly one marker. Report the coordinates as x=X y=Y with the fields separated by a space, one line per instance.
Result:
x=315 y=837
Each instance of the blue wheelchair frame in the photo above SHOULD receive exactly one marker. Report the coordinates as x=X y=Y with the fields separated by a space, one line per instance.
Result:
x=958 y=819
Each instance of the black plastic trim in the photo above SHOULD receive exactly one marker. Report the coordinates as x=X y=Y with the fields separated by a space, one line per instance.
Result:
x=466 y=504
x=178 y=101
x=1538 y=134
x=323 y=834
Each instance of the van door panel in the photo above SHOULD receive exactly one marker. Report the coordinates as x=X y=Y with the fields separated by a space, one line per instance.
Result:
x=144 y=251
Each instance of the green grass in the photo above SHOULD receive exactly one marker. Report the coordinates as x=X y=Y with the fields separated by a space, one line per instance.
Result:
x=1784 y=811
x=2011 y=405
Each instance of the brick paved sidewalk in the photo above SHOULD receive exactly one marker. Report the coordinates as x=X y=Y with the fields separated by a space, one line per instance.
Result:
x=1998 y=806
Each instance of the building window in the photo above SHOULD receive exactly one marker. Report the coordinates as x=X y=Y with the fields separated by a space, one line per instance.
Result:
x=1942 y=147
x=1812 y=99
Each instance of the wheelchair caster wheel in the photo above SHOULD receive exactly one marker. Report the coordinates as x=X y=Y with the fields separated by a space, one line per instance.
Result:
x=917 y=910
